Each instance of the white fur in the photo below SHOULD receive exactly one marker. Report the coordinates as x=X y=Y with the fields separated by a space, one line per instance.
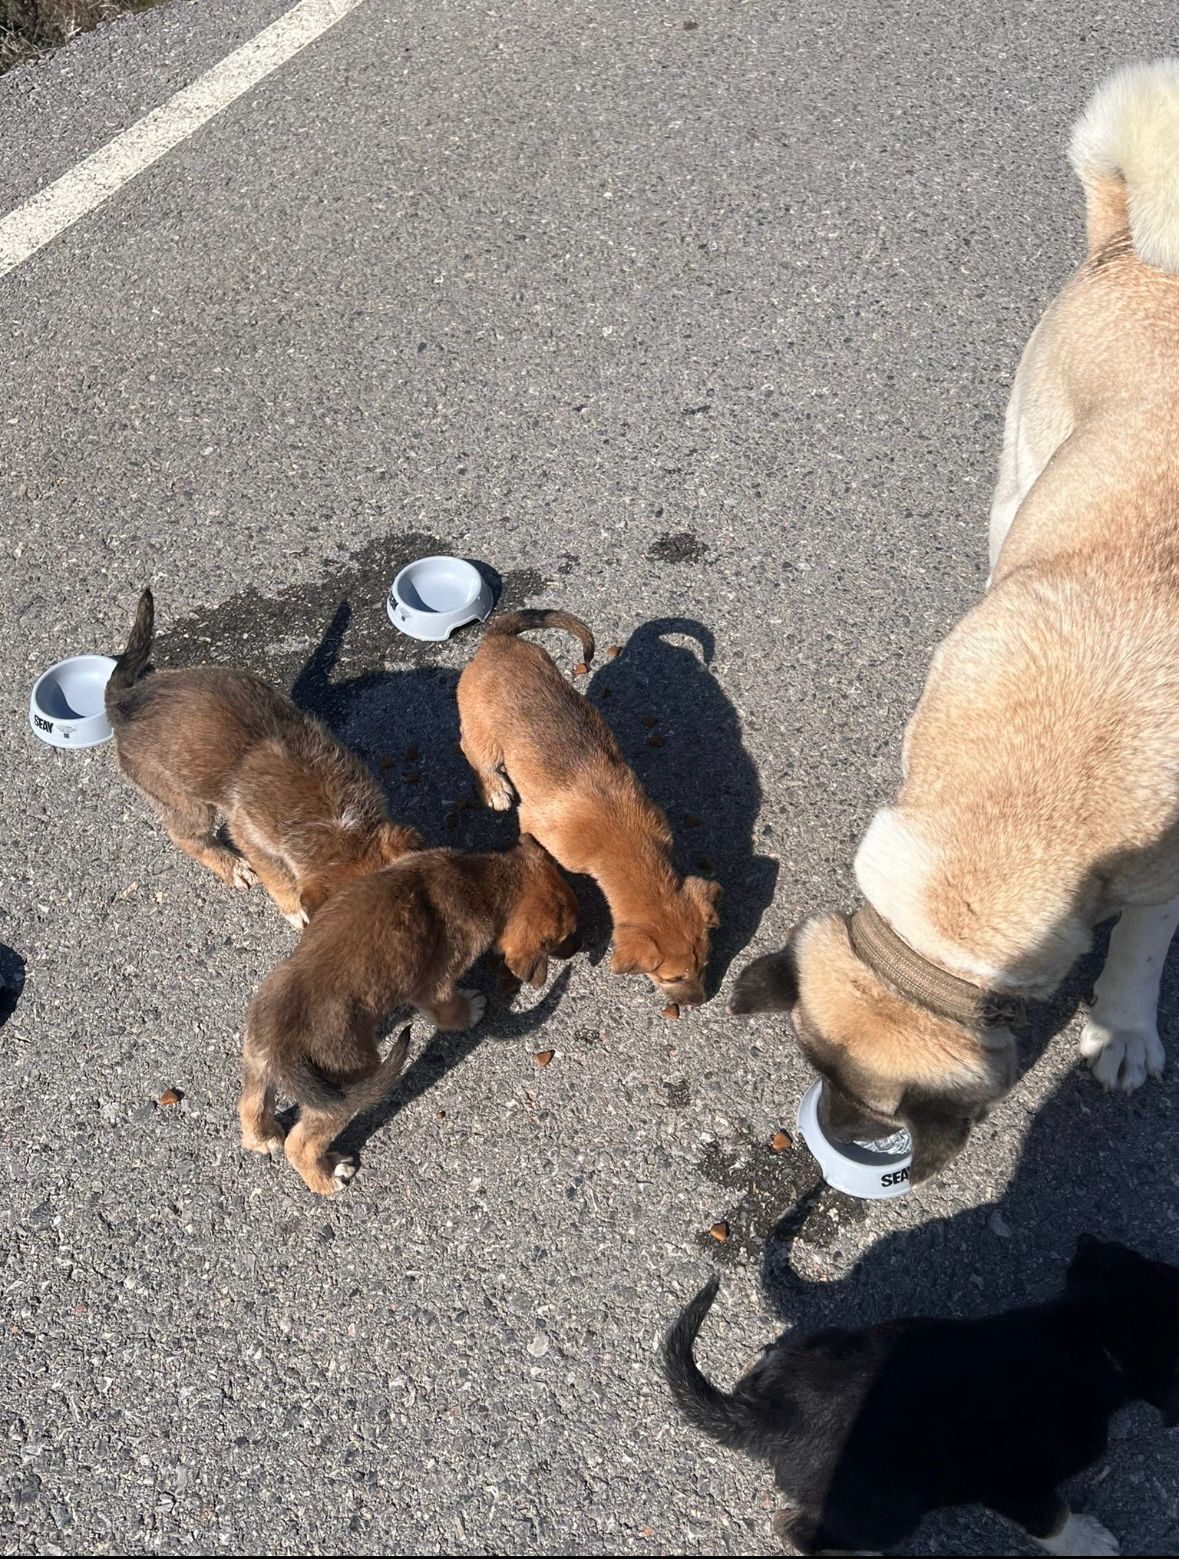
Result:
x=1080 y=1535
x=893 y=866
x=1121 y=1041
x=1130 y=129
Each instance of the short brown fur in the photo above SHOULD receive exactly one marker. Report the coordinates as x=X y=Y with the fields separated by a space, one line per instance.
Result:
x=304 y=812
x=401 y=936
x=526 y=730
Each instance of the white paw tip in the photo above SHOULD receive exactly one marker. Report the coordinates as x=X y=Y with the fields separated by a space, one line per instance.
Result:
x=344 y=1171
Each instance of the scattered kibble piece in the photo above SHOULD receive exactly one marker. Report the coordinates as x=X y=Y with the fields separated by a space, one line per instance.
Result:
x=720 y=1232
x=388 y=763
x=412 y=779
x=170 y=1096
x=452 y=820
x=655 y=741
x=780 y=1142
x=439 y=1115
x=614 y=652
x=646 y=1531
x=581 y=669
x=412 y=754
x=606 y=693
x=703 y=863
x=672 y=1010
x=649 y=721
x=691 y=820
x=543 y=1057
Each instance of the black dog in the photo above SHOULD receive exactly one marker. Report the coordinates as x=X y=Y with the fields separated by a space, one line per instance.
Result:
x=869 y=1430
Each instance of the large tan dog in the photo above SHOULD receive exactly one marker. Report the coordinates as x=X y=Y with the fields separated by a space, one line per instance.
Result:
x=526 y=733
x=1041 y=769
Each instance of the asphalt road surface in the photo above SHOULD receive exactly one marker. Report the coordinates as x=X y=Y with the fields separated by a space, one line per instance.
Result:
x=696 y=320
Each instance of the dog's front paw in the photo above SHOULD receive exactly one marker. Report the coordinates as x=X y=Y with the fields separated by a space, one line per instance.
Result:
x=1122 y=1056
x=343 y=1170
x=298 y=919
x=243 y=876
x=1081 y=1535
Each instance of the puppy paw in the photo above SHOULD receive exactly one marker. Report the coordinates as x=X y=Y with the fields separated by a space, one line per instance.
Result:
x=343 y=1170
x=328 y=1175
x=298 y=920
x=1122 y=1056
x=257 y=1142
x=1081 y=1535
x=499 y=797
x=243 y=876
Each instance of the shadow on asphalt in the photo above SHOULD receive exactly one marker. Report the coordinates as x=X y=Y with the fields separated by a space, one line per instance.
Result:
x=12 y=981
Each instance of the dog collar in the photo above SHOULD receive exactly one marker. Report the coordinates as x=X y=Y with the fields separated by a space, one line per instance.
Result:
x=876 y=943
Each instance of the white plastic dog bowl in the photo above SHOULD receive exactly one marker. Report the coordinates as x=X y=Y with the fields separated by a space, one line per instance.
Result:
x=68 y=707
x=867 y=1169
x=429 y=599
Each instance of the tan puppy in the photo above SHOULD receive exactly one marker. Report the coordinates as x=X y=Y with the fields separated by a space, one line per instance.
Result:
x=402 y=935
x=524 y=729
x=305 y=813
x=1041 y=769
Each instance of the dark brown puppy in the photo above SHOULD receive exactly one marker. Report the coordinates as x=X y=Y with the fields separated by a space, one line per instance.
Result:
x=524 y=729
x=403 y=935
x=304 y=812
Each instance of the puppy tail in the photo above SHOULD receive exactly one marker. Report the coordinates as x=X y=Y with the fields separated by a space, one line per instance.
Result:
x=1125 y=150
x=722 y=1417
x=520 y=622
x=132 y=663
x=304 y=1081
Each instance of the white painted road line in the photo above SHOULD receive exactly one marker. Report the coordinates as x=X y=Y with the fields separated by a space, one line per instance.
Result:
x=44 y=215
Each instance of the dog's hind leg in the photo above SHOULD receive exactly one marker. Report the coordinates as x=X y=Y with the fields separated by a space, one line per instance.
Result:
x=270 y=871
x=192 y=826
x=1120 y=1040
x=261 y=1132
x=307 y=1149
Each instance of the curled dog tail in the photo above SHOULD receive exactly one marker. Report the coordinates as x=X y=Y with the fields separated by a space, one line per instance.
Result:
x=531 y=617
x=1125 y=150
x=311 y=1087
x=722 y=1417
x=131 y=663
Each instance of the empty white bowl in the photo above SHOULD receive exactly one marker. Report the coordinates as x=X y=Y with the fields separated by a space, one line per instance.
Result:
x=429 y=599
x=872 y=1170
x=68 y=703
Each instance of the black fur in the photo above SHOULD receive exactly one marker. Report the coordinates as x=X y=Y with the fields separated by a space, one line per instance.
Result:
x=133 y=662
x=869 y=1430
x=768 y=984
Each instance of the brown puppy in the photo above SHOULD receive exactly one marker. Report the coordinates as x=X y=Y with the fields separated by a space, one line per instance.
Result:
x=1040 y=788
x=525 y=729
x=304 y=812
x=403 y=935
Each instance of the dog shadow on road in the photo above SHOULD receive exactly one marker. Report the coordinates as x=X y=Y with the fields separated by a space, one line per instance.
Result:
x=682 y=735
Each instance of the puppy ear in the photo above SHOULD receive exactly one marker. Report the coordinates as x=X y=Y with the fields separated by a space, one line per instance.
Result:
x=768 y=984
x=704 y=893
x=938 y=1134
x=532 y=968
x=635 y=951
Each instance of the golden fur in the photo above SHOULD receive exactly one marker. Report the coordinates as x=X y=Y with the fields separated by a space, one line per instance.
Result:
x=525 y=730
x=304 y=812
x=1041 y=768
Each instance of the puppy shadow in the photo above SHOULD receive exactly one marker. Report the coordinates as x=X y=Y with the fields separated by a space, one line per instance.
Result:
x=682 y=735
x=12 y=981
x=1090 y=1162
x=403 y=722
x=443 y=1052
